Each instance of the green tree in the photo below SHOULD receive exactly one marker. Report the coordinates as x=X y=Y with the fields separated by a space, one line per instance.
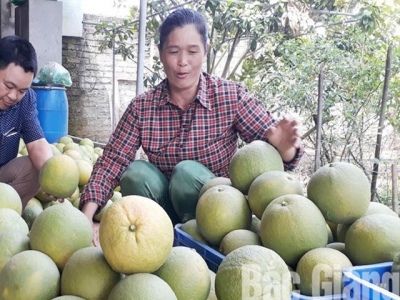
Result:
x=277 y=48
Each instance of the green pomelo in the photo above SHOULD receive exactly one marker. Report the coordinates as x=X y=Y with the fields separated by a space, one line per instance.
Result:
x=142 y=286
x=271 y=185
x=291 y=226
x=341 y=191
x=88 y=275
x=373 y=239
x=220 y=210
x=253 y=272
x=252 y=160
x=29 y=275
x=177 y=271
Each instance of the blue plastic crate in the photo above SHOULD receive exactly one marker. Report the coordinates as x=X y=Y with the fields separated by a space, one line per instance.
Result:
x=212 y=257
x=371 y=282
x=297 y=296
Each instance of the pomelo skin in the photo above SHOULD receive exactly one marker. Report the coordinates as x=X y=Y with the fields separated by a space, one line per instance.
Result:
x=292 y=225
x=253 y=272
x=373 y=239
x=341 y=191
x=252 y=160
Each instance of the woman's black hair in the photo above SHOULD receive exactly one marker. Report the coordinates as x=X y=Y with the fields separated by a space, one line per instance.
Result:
x=180 y=18
x=18 y=51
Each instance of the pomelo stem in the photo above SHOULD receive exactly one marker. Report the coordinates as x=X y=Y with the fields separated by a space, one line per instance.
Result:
x=132 y=227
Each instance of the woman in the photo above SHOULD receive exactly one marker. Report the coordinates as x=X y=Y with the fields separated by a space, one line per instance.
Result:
x=189 y=116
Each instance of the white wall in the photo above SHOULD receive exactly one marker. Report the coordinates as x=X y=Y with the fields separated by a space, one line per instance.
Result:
x=114 y=8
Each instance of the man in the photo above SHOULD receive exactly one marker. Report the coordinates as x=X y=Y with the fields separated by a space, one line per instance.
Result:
x=18 y=118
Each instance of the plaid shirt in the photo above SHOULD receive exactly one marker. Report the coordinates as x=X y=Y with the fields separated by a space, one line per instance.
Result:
x=206 y=132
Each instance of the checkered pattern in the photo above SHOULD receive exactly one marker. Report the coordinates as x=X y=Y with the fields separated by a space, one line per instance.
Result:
x=16 y=121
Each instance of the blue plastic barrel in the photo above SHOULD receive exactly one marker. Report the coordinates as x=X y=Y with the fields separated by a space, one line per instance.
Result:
x=52 y=106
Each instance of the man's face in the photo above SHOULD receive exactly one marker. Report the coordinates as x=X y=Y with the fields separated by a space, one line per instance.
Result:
x=14 y=82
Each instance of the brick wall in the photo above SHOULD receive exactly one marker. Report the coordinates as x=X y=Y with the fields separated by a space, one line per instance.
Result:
x=90 y=96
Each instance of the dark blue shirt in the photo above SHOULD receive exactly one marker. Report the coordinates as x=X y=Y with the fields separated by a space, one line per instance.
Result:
x=16 y=121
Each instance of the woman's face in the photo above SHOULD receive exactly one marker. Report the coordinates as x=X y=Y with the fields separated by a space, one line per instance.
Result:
x=182 y=56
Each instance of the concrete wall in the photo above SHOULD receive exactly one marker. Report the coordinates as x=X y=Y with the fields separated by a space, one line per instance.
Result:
x=7 y=18
x=90 y=96
x=40 y=22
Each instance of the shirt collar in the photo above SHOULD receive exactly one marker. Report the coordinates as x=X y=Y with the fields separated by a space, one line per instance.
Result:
x=201 y=92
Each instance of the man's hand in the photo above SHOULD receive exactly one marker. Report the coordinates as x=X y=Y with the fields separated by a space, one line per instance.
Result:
x=285 y=137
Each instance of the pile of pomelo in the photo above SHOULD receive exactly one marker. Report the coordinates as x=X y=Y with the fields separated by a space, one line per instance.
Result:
x=322 y=227
x=274 y=232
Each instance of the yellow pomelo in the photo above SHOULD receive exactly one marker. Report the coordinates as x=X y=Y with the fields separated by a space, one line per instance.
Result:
x=34 y=201
x=341 y=191
x=116 y=195
x=177 y=271
x=65 y=140
x=88 y=275
x=238 y=238
x=55 y=150
x=74 y=196
x=72 y=146
x=379 y=208
x=252 y=160
x=253 y=272
x=59 y=231
x=55 y=202
x=98 y=151
x=142 y=286
x=59 y=176
x=9 y=198
x=85 y=170
x=270 y=185
x=21 y=144
x=74 y=154
x=136 y=235
x=89 y=148
x=43 y=197
x=85 y=152
x=76 y=203
x=68 y=297
x=31 y=212
x=60 y=146
x=212 y=295
x=220 y=210
x=333 y=227
x=320 y=272
x=373 y=239
x=213 y=182
x=11 y=220
x=86 y=141
x=99 y=215
x=191 y=228
x=255 y=224
x=24 y=151
x=29 y=275
x=330 y=235
x=337 y=246
x=292 y=225
x=11 y=243
x=373 y=208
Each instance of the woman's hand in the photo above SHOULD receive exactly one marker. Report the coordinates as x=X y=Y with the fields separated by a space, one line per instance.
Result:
x=285 y=137
x=89 y=210
x=95 y=239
